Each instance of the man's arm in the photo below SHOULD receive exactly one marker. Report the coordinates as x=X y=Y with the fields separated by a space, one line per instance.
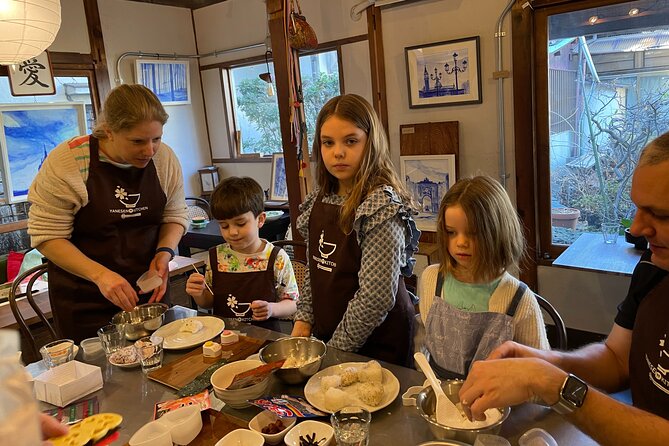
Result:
x=112 y=286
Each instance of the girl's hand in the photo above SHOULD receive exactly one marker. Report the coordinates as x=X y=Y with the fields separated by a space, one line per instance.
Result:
x=195 y=285
x=262 y=310
x=301 y=328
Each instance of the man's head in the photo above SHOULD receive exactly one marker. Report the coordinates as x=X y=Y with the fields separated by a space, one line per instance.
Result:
x=650 y=193
x=238 y=205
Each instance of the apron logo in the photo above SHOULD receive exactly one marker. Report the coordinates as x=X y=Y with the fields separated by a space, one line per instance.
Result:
x=236 y=307
x=658 y=374
x=329 y=248
x=130 y=202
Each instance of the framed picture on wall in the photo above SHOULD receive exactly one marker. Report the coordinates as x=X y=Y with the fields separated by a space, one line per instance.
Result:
x=32 y=77
x=427 y=178
x=27 y=134
x=278 y=187
x=168 y=79
x=444 y=73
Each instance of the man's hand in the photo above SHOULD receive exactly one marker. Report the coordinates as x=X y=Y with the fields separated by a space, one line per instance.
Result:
x=117 y=290
x=301 y=328
x=262 y=310
x=161 y=265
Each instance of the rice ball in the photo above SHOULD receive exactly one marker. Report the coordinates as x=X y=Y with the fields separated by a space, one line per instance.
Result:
x=335 y=399
x=370 y=393
x=328 y=382
x=349 y=376
x=372 y=372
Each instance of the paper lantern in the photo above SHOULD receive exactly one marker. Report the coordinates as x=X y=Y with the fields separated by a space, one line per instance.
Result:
x=27 y=28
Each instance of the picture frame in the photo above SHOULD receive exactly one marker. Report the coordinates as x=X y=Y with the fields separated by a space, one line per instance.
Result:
x=168 y=79
x=444 y=73
x=28 y=134
x=428 y=178
x=278 y=189
x=32 y=77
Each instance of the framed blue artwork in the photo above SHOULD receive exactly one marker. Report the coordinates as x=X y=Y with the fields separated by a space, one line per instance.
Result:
x=168 y=79
x=278 y=188
x=27 y=135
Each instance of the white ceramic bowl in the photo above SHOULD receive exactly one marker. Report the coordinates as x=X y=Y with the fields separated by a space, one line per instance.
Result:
x=241 y=437
x=308 y=427
x=151 y=434
x=237 y=399
x=266 y=417
x=184 y=424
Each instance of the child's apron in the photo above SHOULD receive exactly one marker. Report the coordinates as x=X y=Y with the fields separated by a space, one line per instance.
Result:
x=456 y=338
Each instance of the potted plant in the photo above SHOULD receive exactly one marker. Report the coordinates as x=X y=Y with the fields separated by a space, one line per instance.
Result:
x=565 y=217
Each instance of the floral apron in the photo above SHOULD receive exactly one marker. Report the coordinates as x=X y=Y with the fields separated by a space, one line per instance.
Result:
x=456 y=338
x=234 y=292
x=334 y=262
x=649 y=352
x=119 y=229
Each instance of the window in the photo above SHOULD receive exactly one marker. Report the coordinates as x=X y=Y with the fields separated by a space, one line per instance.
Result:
x=256 y=111
x=69 y=89
x=607 y=71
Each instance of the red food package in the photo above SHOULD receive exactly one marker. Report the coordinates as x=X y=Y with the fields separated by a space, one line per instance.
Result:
x=286 y=406
x=202 y=399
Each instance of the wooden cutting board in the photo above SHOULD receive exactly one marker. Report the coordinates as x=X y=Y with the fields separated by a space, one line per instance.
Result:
x=182 y=371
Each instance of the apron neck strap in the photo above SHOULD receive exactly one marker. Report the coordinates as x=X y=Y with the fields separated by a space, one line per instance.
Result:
x=513 y=306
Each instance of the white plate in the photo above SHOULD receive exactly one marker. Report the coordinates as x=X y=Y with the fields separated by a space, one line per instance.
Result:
x=173 y=339
x=271 y=215
x=316 y=397
x=124 y=365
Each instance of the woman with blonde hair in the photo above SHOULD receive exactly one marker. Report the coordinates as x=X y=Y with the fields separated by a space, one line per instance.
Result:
x=106 y=208
x=360 y=236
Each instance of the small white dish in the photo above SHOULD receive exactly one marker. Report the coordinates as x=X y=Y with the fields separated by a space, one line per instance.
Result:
x=308 y=427
x=184 y=423
x=151 y=434
x=120 y=357
x=244 y=437
x=149 y=281
x=266 y=417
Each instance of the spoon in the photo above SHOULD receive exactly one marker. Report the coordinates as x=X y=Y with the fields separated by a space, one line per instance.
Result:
x=445 y=409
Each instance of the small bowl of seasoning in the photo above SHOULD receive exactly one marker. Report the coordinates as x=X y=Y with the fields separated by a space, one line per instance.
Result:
x=271 y=426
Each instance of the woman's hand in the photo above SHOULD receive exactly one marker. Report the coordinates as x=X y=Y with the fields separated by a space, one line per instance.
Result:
x=195 y=285
x=262 y=310
x=161 y=265
x=117 y=290
x=301 y=328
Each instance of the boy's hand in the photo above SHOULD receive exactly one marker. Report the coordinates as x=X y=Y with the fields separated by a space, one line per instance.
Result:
x=262 y=310
x=195 y=285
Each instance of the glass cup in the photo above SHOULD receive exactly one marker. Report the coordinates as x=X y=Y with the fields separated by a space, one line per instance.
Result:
x=57 y=352
x=351 y=426
x=112 y=337
x=610 y=232
x=150 y=352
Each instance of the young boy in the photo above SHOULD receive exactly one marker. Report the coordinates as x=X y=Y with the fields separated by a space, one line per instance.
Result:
x=252 y=280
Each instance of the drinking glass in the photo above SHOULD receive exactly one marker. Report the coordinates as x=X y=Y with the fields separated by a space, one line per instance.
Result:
x=351 y=426
x=150 y=352
x=112 y=338
x=610 y=232
x=57 y=352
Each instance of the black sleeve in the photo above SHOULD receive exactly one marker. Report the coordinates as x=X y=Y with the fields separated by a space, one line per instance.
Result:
x=644 y=278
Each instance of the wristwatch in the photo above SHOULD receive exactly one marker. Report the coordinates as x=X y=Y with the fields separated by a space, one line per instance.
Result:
x=572 y=395
x=166 y=249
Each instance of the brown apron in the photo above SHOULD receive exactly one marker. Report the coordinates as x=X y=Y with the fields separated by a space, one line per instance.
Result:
x=649 y=352
x=118 y=228
x=234 y=292
x=334 y=262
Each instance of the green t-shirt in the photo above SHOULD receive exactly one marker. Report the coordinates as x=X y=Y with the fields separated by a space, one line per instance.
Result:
x=472 y=297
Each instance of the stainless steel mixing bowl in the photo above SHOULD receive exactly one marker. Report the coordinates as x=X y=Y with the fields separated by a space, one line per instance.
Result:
x=309 y=351
x=142 y=320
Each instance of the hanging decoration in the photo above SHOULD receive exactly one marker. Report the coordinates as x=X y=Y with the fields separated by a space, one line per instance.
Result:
x=27 y=28
x=300 y=34
x=267 y=77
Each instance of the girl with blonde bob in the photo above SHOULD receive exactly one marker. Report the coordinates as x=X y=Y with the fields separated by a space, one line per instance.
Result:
x=470 y=297
x=360 y=237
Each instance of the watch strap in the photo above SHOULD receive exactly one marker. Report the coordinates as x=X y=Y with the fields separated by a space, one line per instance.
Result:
x=166 y=249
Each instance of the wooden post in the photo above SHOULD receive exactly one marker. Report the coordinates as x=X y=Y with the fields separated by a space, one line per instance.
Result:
x=276 y=13
x=377 y=64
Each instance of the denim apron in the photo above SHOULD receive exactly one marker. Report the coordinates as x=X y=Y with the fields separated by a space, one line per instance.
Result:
x=456 y=338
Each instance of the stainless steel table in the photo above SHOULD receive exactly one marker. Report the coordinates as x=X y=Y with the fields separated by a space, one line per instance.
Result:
x=130 y=393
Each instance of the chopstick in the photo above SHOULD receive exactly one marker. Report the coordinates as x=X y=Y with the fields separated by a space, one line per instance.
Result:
x=205 y=281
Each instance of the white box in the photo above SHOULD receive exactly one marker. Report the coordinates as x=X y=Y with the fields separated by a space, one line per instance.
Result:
x=68 y=382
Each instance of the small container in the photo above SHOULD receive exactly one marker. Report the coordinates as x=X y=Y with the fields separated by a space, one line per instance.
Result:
x=536 y=437
x=57 y=352
x=308 y=427
x=211 y=351
x=92 y=347
x=199 y=222
x=237 y=399
x=184 y=424
x=149 y=281
x=266 y=417
x=244 y=437
x=152 y=434
x=229 y=337
x=67 y=382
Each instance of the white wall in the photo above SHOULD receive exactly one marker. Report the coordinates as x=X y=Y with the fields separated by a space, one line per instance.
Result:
x=73 y=34
x=133 y=26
